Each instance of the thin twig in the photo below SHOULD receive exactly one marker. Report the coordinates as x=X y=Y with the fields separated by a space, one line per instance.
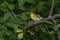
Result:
x=13 y=14
x=51 y=8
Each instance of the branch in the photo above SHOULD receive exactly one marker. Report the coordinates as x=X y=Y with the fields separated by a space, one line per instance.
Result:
x=39 y=22
x=51 y=8
x=13 y=14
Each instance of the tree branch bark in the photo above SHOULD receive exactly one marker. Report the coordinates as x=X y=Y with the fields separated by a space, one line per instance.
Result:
x=39 y=22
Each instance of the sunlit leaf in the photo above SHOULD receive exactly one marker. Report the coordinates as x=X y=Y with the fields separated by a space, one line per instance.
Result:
x=20 y=35
x=31 y=32
x=58 y=25
x=19 y=30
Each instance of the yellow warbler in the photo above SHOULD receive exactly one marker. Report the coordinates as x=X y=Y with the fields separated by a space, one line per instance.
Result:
x=35 y=17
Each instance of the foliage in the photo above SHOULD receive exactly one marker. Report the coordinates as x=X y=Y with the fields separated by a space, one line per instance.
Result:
x=15 y=14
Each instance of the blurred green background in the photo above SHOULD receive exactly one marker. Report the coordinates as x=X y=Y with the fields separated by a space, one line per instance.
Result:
x=15 y=14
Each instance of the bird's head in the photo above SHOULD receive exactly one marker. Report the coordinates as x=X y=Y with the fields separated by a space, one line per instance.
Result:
x=31 y=14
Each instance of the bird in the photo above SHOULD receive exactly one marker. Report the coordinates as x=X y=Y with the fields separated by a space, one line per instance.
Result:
x=35 y=17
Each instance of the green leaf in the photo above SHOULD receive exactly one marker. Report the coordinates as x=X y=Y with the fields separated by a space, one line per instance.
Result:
x=10 y=6
x=1 y=19
x=55 y=28
x=49 y=22
x=10 y=1
x=36 y=28
x=16 y=20
x=20 y=35
x=13 y=25
x=59 y=32
x=31 y=32
x=57 y=2
x=19 y=30
x=42 y=28
x=58 y=25
x=24 y=16
x=31 y=1
x=21 y=4
x=1 y=38
x=3 y=7
x=2 y=29
x=51 y=32
x=6 y=16
x=41 y=6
